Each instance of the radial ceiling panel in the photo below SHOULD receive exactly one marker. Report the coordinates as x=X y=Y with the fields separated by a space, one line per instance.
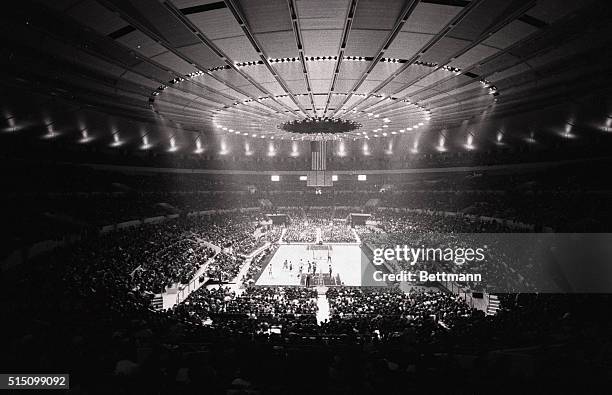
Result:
x=407 y=44
x=278 y=44
x=444 y=49
x=365 y=42
x=482 y=16
x=473 y=56
x=266 y=16
x=156 y=17
x=450 y=84
x=510 y=34
x=238 y=49
x=382 y=71
x=141 y=43
x=343 y=85
x=149 y=69
x=296 y=85
x=412 y=73
x=103 y=66
x=217 y=24
x=319 y=100
x=273 y=87
x=322 y=14
x=518 y=69
x=260 y=73
x=352 y=100
x=371 y=16
x=499 y=62
x=229 y=76
x=320 y=86
x=201 y=55
x=304 y=101
x=289 y=71
x=352 y=70
x=336 y=100
x=550 y=11
x=320 y=70
x=288 y=102
x=92 y=14
x=173 y=62
x=409 y=90
x=430 y=18
x=321 y=42
x=391 y=88
x=137 y=78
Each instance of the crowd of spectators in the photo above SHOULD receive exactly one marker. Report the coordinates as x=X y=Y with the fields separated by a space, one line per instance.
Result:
x=256 y=310
x=337 y=233
x=258 y=263
x=501 y=270
x=85 y=308
x=389 y=312
x=101 y=325
x=300 y=232
x=224 y=267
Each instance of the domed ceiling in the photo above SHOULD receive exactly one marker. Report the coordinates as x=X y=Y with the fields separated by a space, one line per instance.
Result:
x=187 y=70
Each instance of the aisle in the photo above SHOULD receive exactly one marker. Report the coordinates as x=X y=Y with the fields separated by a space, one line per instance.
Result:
x=322 y=304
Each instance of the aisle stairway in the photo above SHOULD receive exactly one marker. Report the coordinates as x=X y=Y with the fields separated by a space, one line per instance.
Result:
x=157 y=302
x=493 y=306
x=322 y=304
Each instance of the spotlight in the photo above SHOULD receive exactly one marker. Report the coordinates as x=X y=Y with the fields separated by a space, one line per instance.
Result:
x=173 y=146
x=441 y=142
x=199 y=149
x=116 y=140
x=415 y=146
x=145 y=142
x=85 y=136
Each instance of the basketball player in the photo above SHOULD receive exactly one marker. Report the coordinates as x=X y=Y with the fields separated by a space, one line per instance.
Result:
x=270 y=270
x=330 y=270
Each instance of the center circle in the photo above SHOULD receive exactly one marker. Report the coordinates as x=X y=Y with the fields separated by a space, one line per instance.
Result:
x=319 y=126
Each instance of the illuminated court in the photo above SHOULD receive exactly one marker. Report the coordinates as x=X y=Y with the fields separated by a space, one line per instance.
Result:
x=345 y=261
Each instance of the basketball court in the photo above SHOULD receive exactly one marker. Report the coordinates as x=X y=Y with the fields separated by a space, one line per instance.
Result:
x=345 y=260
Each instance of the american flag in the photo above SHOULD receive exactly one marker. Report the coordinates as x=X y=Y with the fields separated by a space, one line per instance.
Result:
x=318 y=152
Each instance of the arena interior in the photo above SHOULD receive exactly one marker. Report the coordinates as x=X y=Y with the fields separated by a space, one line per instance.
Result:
x=211 y=197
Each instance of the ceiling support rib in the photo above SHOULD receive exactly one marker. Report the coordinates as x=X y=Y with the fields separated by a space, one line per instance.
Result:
x=517 y=13
x=485 y=35
x=137 y=56
x=449 y=26
x=169 y=47
x=198 y=33
x=299 y=42
x=409 y=6
x=235 y=9
x=350 y=13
